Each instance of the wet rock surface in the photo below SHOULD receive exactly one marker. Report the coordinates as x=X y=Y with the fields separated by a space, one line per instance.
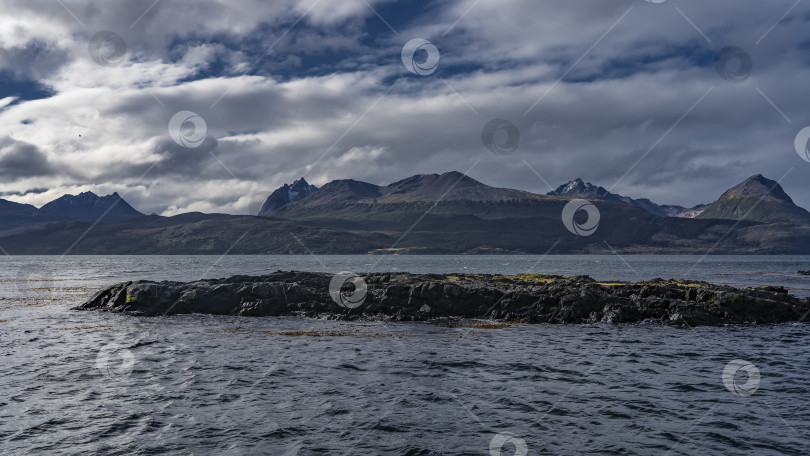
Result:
x=420 y=297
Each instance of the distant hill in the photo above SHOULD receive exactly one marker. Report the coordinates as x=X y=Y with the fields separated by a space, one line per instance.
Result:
x=12 y=209
x=355 y=205
x=434 y=233
x=423 y=187
x=759 y=199
x=449 y=187
x=15 y=215
x=187 y=234
x=88 y=206
x=579 y=189
x=446 y=213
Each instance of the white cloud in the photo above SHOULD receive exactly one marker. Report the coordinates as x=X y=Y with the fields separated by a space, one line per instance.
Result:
x=6 y=101
x=326 y=92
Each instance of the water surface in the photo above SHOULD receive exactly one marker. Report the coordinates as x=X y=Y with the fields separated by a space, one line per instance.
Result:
x=84 y=382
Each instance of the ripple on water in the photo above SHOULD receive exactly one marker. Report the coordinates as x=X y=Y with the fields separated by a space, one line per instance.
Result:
x=292 y=386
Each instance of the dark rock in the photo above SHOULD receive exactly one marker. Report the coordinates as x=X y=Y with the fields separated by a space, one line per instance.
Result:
x=417 y=297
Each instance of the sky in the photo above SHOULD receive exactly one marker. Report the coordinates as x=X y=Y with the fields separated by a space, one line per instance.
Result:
x=209 y=105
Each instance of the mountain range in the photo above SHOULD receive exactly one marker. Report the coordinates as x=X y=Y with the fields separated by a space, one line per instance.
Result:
x=579 y=189
x=87 y=207
x=432 y=213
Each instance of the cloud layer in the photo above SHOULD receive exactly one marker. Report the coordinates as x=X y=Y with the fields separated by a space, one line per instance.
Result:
x=625 y=94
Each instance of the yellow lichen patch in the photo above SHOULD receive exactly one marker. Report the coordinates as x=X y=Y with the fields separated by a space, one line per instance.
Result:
x=610 y=284
x=541 y=278
x=683 y=283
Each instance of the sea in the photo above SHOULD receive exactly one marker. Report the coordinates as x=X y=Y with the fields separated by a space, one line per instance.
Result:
x=74 y=382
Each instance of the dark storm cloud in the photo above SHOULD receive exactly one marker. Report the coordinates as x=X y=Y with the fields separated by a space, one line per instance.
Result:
x=622 y=93
x=33 y=62
x=19 y=160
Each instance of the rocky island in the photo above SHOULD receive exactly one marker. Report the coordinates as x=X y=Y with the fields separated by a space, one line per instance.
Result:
x=527 y=298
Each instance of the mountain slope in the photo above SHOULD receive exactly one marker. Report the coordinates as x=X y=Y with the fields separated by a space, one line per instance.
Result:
x=88 y=206
x=436 y=214
x=760 y=199
x=683 y=212
x=579 y=189
x=622 y=229
x=16 y=216
x=447 y=187
x=348 y=200
x=452 y=213
x=187 y=234
x=85 y=207
x=12 y=209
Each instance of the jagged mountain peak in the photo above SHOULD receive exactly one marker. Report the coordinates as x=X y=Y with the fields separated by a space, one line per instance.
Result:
x=82 y=199
x=298 y=184
x=83 y=196
x=87 y=206
x=286 y=194
x=575 y=184
x=578 y=188
x=448 y=186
